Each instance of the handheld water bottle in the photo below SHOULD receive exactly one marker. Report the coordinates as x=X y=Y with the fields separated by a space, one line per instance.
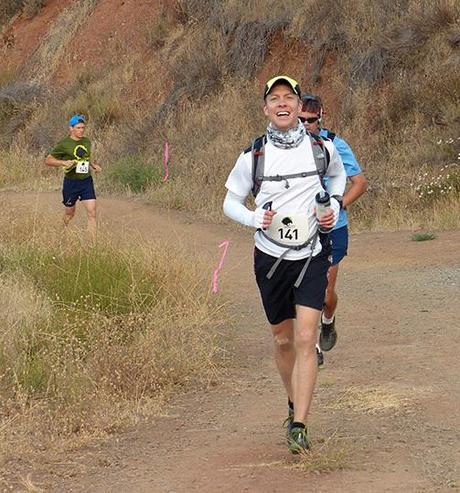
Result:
x=323 y=202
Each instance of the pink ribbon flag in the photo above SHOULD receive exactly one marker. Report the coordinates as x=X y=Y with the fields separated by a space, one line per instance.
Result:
x=166 y=161
x=225 y=244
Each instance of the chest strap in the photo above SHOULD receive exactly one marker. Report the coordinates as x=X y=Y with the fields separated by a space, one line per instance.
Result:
x=303 y=174
x=312 y=240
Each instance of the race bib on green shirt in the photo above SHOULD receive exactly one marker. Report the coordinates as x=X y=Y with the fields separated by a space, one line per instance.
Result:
x=82 y=167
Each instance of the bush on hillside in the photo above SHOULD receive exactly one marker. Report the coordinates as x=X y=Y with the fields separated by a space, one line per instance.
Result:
x=30 y=8
x=134 y=174
x=33 y=7
x=9 y=8
x=159 y=30
x=18 y=101
x=17 y=93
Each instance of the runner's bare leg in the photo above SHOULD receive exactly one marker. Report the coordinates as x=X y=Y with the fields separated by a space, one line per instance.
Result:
x=306 y=366
x=90 y=206
x=283 y=340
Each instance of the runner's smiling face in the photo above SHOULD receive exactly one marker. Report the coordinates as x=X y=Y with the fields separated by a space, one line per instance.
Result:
x=282 y=107
x=77 y=131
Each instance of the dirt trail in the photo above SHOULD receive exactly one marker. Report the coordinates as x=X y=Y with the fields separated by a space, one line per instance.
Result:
x=389 y=394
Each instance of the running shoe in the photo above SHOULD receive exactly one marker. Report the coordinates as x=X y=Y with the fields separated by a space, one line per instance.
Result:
x=327 y=336
x=319 y=356
x=298 y=440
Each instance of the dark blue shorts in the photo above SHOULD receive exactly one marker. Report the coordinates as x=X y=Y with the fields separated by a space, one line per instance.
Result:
x=339 y=242
x=279 y=295
x=73 y=190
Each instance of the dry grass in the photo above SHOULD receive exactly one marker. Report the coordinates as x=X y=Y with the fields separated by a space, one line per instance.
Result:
x=18 y=166
x=95 y=339
x=326 y=456
x=371 y=400
x=209 y=161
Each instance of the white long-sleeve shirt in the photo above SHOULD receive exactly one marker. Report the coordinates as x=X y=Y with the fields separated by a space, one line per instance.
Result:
x=299 y=198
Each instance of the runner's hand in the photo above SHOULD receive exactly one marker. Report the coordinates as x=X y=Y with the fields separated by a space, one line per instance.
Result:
x=327 y=219
x=263 y=218
x=96 y=167
x=68 y=165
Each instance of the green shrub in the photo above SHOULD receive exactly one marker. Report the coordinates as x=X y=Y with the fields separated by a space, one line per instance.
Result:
x=103 y=280
x=31 y=372
x=423 y=236
x=134 y=174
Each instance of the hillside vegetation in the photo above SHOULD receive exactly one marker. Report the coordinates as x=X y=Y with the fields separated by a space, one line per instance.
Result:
x=193 y=73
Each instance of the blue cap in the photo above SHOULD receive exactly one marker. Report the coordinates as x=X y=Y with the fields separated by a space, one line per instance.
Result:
x=75 y=119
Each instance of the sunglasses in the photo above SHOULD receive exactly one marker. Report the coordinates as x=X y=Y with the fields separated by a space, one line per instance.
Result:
x=311 y=119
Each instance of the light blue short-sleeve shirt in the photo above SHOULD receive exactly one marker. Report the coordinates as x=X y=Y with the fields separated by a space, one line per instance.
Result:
x=350 y=164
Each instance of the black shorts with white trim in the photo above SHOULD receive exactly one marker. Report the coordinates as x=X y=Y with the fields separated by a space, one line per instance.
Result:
x=279 y=296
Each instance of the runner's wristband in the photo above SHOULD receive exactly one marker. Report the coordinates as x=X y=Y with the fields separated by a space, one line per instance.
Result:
x=339 y=199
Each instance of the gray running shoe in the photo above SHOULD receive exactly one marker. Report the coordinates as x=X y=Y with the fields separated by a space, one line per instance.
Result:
x=319 y=357
x=328 y=336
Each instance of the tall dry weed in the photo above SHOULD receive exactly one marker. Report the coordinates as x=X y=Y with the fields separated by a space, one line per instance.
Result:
x=19 y=166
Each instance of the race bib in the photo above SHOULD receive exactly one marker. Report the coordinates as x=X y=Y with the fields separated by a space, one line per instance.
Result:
x=289 y=229
x=82 y=167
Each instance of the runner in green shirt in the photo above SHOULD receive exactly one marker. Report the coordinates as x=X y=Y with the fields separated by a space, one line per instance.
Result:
x=73 y=154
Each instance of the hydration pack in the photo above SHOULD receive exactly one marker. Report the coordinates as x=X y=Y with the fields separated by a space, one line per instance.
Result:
x=320 y=155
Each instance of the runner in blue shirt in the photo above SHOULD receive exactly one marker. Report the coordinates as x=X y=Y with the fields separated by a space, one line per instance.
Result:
x=311 y=116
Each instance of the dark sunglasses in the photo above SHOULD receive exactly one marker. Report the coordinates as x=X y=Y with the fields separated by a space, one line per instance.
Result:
x=311 y=119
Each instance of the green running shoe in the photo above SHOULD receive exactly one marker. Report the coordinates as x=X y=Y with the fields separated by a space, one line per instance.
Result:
x=298 y=440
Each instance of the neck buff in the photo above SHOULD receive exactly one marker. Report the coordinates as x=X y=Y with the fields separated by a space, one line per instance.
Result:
x=286 y=139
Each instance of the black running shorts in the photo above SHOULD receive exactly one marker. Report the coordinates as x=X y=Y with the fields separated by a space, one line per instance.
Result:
x=73 y=190
x=279 y=296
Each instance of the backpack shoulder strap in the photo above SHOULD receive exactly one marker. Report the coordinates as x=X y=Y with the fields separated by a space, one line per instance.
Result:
x=320 y=154
x=258 y=162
